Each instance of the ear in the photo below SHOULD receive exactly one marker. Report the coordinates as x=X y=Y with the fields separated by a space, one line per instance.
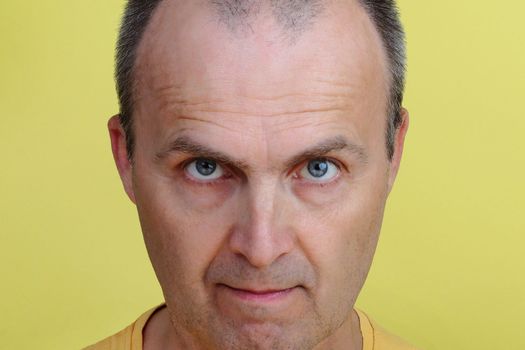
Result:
x=399 y=141
x=120 y=154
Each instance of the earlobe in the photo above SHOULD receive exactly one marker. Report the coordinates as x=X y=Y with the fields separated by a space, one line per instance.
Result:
x=120 y=154
x=399 y=142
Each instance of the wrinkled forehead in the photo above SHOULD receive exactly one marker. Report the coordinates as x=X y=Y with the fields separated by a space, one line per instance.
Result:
x=191 y=50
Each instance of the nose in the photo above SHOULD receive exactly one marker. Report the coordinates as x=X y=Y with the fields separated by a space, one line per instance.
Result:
x=262 y=234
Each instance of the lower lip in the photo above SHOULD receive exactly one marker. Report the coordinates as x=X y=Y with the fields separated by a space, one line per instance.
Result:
x=259 y=296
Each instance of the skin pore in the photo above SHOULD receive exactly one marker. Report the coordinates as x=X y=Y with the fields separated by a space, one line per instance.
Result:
x=253 y=251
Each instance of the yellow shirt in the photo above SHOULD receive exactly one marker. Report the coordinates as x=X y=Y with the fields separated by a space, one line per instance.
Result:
x=130 y=338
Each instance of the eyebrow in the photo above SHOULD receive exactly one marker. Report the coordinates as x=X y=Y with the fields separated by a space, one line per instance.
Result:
x=337 y=143
x=184 y=144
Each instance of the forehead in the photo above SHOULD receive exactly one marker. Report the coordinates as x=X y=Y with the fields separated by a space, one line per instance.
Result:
x=190 y=61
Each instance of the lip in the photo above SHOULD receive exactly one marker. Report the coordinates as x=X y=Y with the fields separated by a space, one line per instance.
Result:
x=266 y=295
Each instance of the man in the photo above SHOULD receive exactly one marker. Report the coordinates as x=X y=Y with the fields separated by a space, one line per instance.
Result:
x=259 y=141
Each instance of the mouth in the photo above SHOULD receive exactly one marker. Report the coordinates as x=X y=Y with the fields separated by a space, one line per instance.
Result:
x=255 y=304
x=261 y=295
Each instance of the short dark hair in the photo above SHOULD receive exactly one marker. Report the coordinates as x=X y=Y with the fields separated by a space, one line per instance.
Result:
x=383 y=13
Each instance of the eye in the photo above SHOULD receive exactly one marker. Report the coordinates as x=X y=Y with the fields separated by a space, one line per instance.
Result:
x=204 y=169
x=319 y=170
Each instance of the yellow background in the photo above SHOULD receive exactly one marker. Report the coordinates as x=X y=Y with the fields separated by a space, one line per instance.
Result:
x=449 y=271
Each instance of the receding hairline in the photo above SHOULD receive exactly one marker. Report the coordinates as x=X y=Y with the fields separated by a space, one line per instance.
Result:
x=216 y=16
x=293 y=17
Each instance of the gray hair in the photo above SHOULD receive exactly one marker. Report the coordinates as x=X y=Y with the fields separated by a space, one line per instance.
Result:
x=292 y=13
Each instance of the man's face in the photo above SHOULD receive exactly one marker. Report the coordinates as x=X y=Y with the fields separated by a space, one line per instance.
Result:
x=260 y=172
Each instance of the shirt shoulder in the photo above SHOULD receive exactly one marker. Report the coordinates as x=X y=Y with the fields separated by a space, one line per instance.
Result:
x=118 y=341
x=130 y=338
x=376 y=337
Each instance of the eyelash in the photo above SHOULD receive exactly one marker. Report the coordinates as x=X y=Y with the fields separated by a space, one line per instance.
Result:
x=230 y=174
x=339 y=165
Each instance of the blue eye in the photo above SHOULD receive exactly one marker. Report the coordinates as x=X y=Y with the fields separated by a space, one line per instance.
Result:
x=204 y=169
x=319 y=170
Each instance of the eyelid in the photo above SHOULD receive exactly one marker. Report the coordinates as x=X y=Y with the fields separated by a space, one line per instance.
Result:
x=301 y=165
x=227 y=172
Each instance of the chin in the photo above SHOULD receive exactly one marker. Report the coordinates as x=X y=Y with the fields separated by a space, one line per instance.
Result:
x=266 y=336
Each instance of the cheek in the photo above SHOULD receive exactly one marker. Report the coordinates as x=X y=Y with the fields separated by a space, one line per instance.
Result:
x=183 y=230
x=340 y=237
